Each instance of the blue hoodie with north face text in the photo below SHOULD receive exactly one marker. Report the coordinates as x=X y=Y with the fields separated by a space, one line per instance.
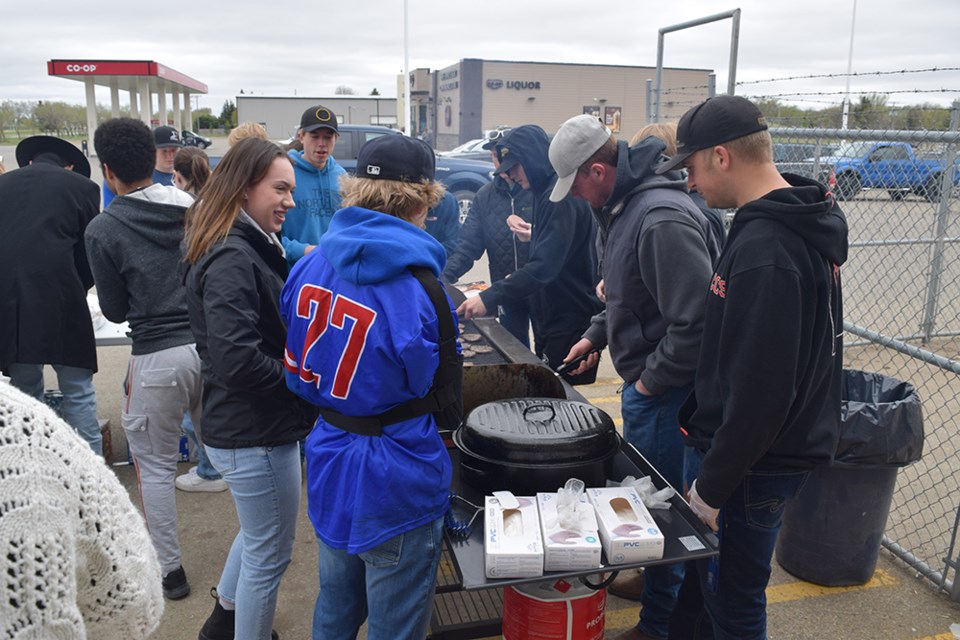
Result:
x=363 y=338
x=317 y=198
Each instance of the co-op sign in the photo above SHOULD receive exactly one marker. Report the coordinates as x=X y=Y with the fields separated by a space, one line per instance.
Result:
x=494 y=83
x=81 y=68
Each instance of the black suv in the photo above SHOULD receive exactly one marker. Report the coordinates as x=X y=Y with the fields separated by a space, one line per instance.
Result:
x=191 y=139
x=462 y=178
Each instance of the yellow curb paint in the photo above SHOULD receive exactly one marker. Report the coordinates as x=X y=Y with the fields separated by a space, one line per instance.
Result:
x=604 y=400
x=940 y=636
x=617 y=619
x=802 y=590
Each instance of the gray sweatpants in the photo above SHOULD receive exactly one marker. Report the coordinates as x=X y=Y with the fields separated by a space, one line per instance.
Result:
x=158 y=389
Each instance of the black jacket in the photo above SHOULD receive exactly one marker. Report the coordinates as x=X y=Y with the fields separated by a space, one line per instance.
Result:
x=767 y=389
x=561 y=275
x=233 y=297
x=486 y=230
x=44 y=319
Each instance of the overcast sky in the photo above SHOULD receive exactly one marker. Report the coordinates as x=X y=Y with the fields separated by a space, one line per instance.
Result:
x=285 y=47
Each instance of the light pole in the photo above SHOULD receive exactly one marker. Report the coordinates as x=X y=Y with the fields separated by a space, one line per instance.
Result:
x=196 y=114
x=846 y=95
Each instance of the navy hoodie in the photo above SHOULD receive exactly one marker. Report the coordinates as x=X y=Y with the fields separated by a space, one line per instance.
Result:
x=560 y=277
x=767 y=389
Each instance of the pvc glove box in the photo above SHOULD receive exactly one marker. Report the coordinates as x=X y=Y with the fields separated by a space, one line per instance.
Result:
x=566 y=549
x=512 y=544
x=627 y=530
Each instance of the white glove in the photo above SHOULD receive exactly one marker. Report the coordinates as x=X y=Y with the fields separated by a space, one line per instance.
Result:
x=704 y=511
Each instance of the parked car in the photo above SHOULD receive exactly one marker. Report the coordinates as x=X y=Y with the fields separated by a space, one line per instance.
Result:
x=461 y=177
x=800 y=151
x=893 y=166
x=472 y=150
x=191 y=139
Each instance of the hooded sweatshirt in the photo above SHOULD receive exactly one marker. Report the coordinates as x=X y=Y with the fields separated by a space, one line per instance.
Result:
x=767 y=392
x=317 y=198
x=372 y=346
x=134 y=253
x=655 y=265
x=560 y=276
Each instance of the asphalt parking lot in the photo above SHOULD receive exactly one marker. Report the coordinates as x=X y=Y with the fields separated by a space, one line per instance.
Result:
x=894 y=605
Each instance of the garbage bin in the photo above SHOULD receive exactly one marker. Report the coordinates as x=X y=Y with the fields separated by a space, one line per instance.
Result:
x=832 y=531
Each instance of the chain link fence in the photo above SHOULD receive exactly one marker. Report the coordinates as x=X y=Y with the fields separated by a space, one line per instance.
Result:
x=902 y=305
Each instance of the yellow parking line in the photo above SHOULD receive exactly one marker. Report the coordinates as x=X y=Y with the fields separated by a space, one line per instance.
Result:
x=604 y=400
x=802 y=590
x=940 y=636
x=623 y=618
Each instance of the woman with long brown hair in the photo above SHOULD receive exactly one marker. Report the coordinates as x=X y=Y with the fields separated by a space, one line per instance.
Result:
x=235 y=271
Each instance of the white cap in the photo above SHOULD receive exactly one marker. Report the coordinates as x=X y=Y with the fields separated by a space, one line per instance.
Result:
x=578 y=139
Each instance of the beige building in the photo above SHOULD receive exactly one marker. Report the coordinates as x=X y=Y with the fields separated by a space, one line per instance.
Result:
x=458 y=103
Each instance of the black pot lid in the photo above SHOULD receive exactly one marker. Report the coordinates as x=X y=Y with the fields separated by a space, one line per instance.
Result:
x=527 y=430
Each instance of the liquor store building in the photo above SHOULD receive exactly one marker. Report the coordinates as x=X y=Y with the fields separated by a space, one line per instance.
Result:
x=460 y=102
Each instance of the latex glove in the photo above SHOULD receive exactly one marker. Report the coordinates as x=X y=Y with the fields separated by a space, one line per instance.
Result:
x=471 y=308
x=520 y=227
x=705 y=512
x=578 y=349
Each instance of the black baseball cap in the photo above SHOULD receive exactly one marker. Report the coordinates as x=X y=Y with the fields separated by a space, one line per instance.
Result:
x=714 y=121
x=318 y=117
x=167 y=137
x=396 y=157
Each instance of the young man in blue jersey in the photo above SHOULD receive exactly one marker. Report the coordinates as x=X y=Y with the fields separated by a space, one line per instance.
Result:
x=318 y=183
x=371 y=341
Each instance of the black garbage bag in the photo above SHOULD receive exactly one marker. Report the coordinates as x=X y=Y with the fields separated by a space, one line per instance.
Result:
x=881 y=421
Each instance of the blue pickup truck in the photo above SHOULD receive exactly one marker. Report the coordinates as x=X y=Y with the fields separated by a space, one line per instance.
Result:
x=892 y=166
x=460 y=177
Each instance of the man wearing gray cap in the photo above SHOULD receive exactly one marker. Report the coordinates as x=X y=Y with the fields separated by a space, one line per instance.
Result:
x=766 y=402
x=656 y=265
x=318 y=183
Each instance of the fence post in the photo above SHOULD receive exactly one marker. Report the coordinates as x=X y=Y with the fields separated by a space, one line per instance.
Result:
x=943 y=215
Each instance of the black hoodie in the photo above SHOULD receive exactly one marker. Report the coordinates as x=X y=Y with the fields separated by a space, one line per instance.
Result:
x=561 y=274
x=767 y=389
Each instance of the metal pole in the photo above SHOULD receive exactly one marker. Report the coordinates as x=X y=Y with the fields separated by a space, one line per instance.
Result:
x=649 y=97
x=734 y=45
x=659 y=81
x=943 y=220
x=406 y=72
x=846 y=95
x=735 y=37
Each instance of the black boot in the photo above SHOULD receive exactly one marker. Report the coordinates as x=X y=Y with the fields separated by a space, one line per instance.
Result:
x=220 y=625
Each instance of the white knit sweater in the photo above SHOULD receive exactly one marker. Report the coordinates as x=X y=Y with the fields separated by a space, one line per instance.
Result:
x=75 y=557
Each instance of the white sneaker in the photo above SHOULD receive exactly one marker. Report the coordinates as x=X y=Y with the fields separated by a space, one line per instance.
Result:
x=190 y=481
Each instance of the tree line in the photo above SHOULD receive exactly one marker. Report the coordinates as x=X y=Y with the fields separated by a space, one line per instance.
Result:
x=28 y=117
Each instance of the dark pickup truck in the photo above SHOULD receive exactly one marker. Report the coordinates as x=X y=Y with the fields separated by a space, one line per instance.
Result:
x=460 y=177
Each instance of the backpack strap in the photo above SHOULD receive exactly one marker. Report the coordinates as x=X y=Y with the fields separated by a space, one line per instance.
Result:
x=445 y=398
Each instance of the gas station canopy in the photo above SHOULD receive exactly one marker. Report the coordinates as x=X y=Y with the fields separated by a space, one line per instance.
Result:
x=141 y=78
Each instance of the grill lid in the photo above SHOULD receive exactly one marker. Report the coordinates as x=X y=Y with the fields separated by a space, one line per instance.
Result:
x=530 y=430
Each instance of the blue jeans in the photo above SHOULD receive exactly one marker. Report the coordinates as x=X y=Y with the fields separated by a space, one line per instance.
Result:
x=204 y=469
x=265 y=484
x=650 y=424
x=394 y=582
x=733 y=606
x=79 y=397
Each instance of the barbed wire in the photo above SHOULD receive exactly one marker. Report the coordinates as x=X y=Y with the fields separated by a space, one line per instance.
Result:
x=854 y=74
x=818 y=76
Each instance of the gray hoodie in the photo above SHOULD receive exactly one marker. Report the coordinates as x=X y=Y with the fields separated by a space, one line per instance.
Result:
x=134 y=252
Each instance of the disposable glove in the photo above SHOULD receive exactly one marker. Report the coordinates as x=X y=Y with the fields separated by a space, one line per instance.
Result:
x=704 y=511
